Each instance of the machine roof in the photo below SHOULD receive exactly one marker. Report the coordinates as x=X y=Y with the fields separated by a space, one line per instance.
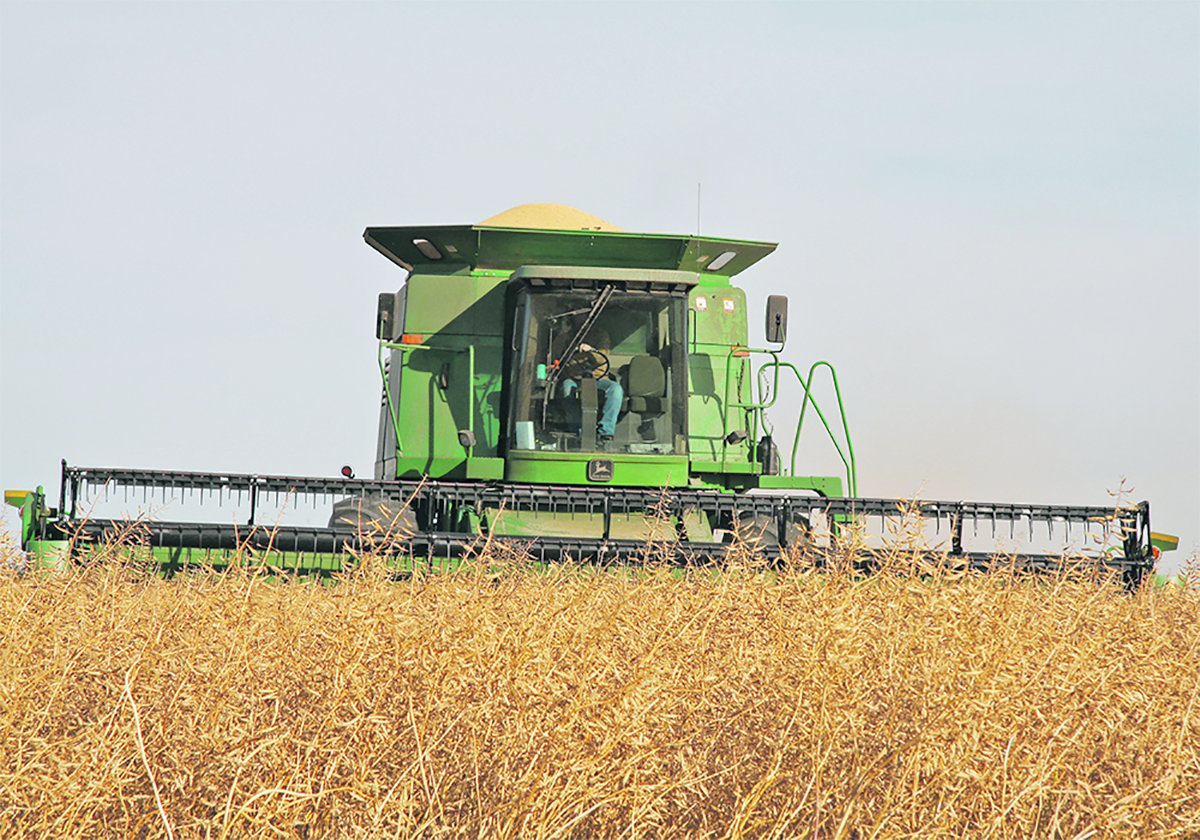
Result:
x=509 y=246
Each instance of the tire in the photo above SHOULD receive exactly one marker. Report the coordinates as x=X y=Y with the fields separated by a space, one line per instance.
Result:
x=367 y=514
x=763 y=529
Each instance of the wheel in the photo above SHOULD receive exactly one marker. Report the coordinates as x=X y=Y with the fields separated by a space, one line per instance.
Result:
x=763 y=529
x=371 y=514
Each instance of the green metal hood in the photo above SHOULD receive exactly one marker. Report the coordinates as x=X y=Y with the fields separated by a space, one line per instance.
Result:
x=449 y=248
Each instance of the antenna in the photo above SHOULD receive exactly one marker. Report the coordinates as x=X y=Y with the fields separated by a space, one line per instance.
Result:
x=697 y=208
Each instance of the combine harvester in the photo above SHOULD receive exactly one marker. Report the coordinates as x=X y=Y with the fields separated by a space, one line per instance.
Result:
x=553 y=382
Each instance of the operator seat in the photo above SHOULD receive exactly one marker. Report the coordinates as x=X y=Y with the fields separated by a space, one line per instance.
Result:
x=646 y=387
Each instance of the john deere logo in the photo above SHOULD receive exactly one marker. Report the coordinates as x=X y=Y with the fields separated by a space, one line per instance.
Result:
x=600 y=469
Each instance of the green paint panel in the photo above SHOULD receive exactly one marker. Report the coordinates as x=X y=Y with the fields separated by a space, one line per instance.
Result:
x=537 y=467
x=458 y=306
x=430 y=416
x=826 y=485
x=718 y=322
x=707 y=372
x=451 y=380
x=740 y=469
x=485 y=469
x=408 y=467
x=719 y=316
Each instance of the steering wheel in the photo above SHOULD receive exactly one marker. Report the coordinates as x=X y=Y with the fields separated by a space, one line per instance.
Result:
x=600 y=364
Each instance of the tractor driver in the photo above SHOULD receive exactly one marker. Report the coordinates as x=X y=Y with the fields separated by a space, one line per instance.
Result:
x=591 y=360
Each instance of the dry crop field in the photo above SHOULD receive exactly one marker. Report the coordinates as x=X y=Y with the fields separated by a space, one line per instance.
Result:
x=506 y=702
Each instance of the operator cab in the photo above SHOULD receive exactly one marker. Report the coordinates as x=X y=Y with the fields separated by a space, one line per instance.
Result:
x=599 y=361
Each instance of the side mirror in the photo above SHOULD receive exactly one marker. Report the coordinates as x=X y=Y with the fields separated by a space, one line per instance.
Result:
x=777 y=319
x=387 y=320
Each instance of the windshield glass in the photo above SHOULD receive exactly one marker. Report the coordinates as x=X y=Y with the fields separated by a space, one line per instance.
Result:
x=599 y=370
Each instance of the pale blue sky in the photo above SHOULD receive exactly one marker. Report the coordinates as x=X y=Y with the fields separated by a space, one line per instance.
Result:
x=989 y=216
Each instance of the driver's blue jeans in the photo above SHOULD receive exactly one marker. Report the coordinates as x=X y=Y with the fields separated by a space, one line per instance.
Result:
x=611 y=394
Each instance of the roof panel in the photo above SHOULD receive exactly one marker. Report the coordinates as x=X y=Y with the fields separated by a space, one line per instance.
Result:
x=480 y=246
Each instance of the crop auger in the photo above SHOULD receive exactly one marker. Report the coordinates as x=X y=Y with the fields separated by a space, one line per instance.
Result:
x=556 y=384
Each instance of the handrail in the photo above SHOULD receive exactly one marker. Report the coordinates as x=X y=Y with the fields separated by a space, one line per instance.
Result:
x=756 y=409
x=847 y=457
x=852 y=474
x=470 y=385
x=387 y=393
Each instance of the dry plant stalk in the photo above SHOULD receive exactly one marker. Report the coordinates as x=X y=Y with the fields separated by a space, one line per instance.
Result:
x=502 y=701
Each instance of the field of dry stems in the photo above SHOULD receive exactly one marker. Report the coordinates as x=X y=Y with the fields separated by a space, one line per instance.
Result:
x=508 y=702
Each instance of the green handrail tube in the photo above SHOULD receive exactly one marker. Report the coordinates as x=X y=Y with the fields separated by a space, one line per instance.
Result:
x=847 y=457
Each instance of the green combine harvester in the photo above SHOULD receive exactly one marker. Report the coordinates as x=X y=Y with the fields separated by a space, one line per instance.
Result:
x=557 y=384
